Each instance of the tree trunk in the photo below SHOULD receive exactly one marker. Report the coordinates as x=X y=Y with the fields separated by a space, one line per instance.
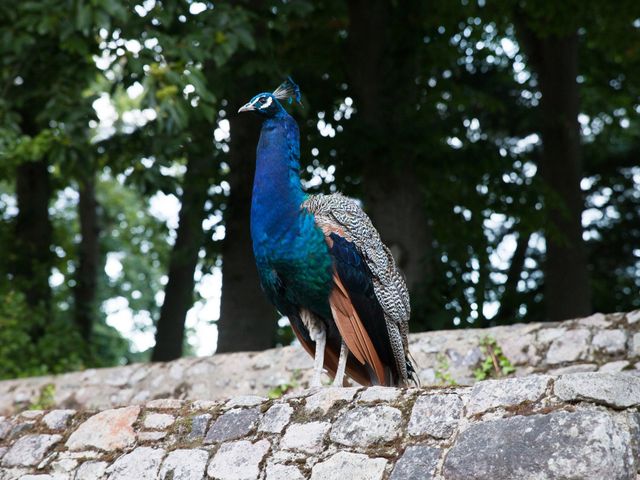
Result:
x=33 y=235
x=509 y=300
x=567 y=290
x=178 y=297
x=88 y=259
x=247 y=320
x=393 y=197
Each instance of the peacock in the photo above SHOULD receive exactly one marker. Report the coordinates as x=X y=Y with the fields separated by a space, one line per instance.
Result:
x=322 y=264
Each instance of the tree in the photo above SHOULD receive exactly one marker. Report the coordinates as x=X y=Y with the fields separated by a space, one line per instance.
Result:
x=555 y=58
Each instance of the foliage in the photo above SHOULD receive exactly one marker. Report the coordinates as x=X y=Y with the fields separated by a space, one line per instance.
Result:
x=46 y=398
x=442 y=374
x=461 y=102
x=279 y=390
x=55 y=352
x=494 y=364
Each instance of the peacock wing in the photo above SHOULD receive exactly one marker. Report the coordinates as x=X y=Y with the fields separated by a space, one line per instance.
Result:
x=342 y=218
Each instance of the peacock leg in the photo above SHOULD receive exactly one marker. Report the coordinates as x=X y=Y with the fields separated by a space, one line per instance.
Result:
x=320 y=337
x=338 y=381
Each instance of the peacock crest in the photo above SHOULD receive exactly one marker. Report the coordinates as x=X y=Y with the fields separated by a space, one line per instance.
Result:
x=288 y=90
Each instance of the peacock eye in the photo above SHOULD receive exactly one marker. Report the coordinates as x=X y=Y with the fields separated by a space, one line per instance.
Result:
x=262 y=99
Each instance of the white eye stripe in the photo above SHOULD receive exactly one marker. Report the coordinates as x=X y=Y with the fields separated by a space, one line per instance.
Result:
x=267 y=103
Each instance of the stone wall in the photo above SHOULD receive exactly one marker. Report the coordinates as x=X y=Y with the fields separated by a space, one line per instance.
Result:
x=607 y=343
x=579 y=426
x=569 y=411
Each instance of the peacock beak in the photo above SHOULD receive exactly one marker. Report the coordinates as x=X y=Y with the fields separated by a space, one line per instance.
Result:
x=247 y=108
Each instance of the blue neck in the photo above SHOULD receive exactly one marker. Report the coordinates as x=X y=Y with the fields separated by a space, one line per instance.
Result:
x=277 y=193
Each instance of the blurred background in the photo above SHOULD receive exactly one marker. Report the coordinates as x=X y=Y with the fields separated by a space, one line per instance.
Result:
x=494 y=144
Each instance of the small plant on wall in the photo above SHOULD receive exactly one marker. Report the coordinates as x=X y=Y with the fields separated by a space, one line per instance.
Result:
x=493 y=364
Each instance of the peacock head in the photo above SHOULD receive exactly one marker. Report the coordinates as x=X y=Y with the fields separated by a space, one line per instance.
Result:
x=268 y=105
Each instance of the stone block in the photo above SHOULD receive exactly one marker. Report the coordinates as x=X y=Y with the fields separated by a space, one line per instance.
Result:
x=635 y=345
x=199 y=425
x=108 y=430
x=585 y=445
x=142 y=464
x=435 y=415
x=610 y=341
x=184 y=465
x=491 y=394
x=572 y=345
x=158 y=421
x=276 y=418
x=379 y=394
x=91 y=470
x=58 y=419
x=326 y=398
x=245 y=401
x=306 y=437
x=367 y=426
x=618 y=390
x=29 y=450
x=418 y=462
x=238 y=460
x=232 y=425
x=276 y=471
x=347 y=465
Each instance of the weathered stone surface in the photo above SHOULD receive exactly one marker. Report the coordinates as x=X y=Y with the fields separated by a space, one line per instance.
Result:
x=238 y=460
x=151 y=436
x=364 y=426
x=29 y=450
x=326 y=398
x=610 y=341
x=596 y=320
x=277 y=471
x=142 y=464
x=418 y=462
x=232 y=425
x=58 y=419
x=306 y=437
x=165 y=403
x=157 y=421
x=435 y=415
x=184 y=465
x=305 y=429
x=635 y=345
x=633 y=317
x=245 y=401
x=64 y=465
x=45 y=476
x=228 y=376
x=5 y=428
x=576 y=368
x=619 y=390
x=353 y=466
x=31 y=414
x=108 y=430
x=506 y=393
x=614 y=367
x=585 y=445
x=276 y=418
x=569 y=347
x=379 y=394
x=91 y=470
x=199 y=425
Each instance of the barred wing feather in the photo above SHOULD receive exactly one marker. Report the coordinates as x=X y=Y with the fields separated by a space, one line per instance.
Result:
x=342 y=215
